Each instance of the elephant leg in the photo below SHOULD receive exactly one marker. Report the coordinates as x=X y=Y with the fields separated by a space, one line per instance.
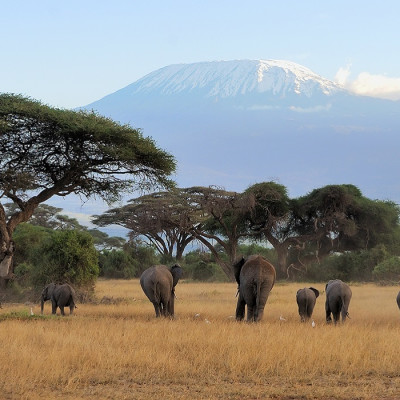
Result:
x=53 y=307
x=71 y=309
x=260 y=314
x=163 y=308
x=157 y=309
x=310 y=310
x=250 y=313
x=240 y=308
x=344 y=314
x=328 y=314
x=336 y=316
x=62 y=310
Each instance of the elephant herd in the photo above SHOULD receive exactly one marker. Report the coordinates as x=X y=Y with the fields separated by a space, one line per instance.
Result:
x=255 y=277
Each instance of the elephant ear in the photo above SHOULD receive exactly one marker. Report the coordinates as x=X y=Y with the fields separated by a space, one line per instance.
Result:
x=316 y=291
x=237 y=267
x=177 y=272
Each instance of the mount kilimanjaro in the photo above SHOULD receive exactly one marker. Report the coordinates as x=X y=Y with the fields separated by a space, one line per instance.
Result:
x=236 y=123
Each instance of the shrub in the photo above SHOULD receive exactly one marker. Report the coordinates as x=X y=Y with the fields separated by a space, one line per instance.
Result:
x=388 y=270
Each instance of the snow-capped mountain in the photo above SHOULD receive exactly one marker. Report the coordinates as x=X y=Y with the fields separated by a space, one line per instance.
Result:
x=233 y=78
x=235 y=123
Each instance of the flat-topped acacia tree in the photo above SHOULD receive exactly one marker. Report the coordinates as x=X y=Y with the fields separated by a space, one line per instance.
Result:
x=47 y=152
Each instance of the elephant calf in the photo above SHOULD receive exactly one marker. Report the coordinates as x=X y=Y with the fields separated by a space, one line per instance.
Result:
x=306 y=299
x=60 y=295
x=158 y=283
x=338 y=296
x=255 y=277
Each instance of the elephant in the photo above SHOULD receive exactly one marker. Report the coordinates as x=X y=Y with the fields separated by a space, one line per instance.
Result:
x=306 y=299
x=158 y=283
x=60 y=295
x=255 y=277
x=338 y=296
x=398 y=299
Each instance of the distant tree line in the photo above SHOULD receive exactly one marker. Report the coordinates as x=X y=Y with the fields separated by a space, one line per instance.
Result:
x=327 y=229
x=45 y=152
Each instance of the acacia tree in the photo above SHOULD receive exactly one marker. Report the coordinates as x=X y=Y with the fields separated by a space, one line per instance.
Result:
x=222 y=223
x=338 y=218
x=271 y=217
x=46 y=151
x=165 y=219
x=171 y=220
x=334 y=218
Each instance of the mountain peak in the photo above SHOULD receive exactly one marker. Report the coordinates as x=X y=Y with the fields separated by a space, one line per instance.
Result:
x=224 y=79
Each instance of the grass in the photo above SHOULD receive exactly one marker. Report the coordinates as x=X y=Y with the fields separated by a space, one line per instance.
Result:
x=117 y=349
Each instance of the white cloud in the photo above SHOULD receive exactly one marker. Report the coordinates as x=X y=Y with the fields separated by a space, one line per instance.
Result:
x=367 y=84
x=311 y=109
x=342 y=75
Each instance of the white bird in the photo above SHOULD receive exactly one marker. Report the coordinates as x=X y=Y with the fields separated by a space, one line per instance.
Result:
x=281 y=318
x=197 y=315
x=207 y=321
x=313 y=324
x=32 y=312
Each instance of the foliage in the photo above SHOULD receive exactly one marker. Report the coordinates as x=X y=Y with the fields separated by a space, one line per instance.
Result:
x=46 y=151
x=143 y=256
x=349 y=266
x=67 y=256
x=165 y=219
x=388 y=270
x=116 y=264
x=201 y=266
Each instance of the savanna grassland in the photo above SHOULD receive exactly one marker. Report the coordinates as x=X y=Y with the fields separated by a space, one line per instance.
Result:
x=117 y=349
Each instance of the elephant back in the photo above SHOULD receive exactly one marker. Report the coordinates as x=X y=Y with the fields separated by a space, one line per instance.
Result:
x=257 y=268
x=156 y=274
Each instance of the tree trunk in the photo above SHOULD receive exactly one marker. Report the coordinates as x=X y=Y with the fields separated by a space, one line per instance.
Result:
x=282 y=253
x=6 y=261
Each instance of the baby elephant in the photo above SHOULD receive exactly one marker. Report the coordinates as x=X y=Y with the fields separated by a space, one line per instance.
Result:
x=60 y=295
x=338 y=296
x=306 y=299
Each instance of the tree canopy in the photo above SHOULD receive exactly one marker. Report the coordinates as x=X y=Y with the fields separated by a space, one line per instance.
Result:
x=47 y=151
x=331 y=219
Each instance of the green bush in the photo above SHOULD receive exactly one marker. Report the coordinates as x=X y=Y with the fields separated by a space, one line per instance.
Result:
x=143 y=256
x=200 y=266
x=351 y=266
x=66 y=256
x=116 y=264
x=388 y=270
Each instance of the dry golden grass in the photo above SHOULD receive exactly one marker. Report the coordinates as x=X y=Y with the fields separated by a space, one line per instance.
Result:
x=121 y=351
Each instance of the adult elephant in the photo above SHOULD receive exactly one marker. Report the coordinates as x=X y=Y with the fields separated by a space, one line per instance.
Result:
x=306 y=299
x=255 y=277
x=60 y=295
x=338 y=296
x=398 y=299
x=158 y=283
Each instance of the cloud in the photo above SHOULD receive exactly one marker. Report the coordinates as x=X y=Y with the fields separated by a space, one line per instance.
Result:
x=342 y=75
x=314 y=109
x=367 y=84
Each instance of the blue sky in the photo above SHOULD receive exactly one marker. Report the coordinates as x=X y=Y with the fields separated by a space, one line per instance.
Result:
x=71 y=53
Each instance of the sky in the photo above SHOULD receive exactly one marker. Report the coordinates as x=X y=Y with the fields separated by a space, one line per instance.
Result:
x=71 y=53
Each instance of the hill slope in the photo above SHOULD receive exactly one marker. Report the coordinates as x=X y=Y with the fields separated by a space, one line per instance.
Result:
x=235 y=123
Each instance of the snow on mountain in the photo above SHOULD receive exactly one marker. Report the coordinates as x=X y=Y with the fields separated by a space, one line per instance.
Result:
x=234 y=123
x=225 y=79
